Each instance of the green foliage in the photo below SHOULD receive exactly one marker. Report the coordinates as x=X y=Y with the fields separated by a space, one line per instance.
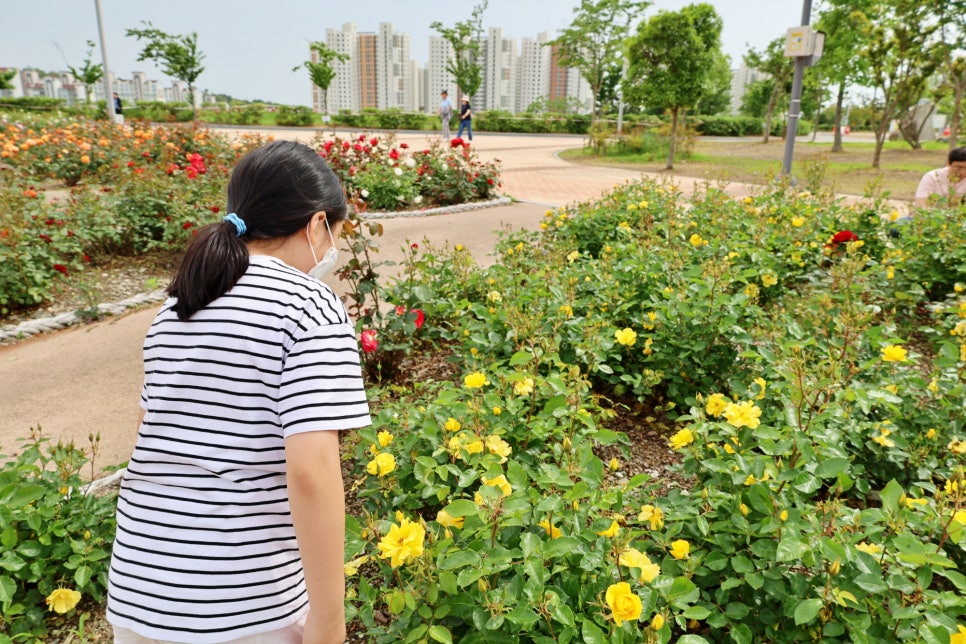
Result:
x=593 y=42
x=321 y=70
x=814 y=385
x=177 y=54
x=465 y=39
x=89 y=73
x=297 y=115
x=54 y=534
x=5 y=77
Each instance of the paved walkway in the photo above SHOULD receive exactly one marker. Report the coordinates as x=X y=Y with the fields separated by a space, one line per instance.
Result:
x=86 y=380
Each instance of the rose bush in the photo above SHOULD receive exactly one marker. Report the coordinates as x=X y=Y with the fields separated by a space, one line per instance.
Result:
x=814 y=387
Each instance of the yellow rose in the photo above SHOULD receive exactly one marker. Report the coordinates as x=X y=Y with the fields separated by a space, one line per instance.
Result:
x=474 y=447
x=384 y=438
x=403 y=542
x=452 y=425
x=633 y=558
x=681 y=439
x=626 y=337
x=523 y=387
x=62 y=600
x=743 y=509
x=957 y=446
x=352 y=567
x=498 y=446
x=959 y=637
x=653 y=515
x=743 y=414
x=797 y=222
x=960 y=517
x=475 y=380
x=680 y=549
x=696 y=240
x=783 y=516
x=715 y=405
x=552 y=531
x=657 y=623
x=762 y=386
x=572 y=257
x=614 y=465
x=882 y=440
x=624 y=604
x=447 y=520
x=893 y=353
x=869 y=548
x=499 y=482
x=610 y=532
x=769 y=280
x=382 y=464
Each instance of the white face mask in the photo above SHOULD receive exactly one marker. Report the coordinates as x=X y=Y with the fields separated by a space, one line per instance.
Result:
x=328 y=261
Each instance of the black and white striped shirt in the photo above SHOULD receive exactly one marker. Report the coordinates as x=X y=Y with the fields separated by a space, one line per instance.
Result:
x=205 y=549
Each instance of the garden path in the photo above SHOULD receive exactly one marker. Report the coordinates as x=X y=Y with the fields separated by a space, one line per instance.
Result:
x=86 y=380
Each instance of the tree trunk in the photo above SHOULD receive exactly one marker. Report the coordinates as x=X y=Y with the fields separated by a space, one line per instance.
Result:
x=954 y=121
x=770 y=110
x=191 y=97
x=674 y=136
x=840 y=99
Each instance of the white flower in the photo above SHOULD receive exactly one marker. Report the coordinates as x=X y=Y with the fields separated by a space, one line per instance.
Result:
x=365 y=194
x=410 y=162
x=398 y=172
x=418 y=199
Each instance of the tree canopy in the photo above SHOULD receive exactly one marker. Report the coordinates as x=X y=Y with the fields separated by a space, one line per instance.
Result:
x=465 y=39
x=89 y=73
x=322 y=69
x=177 y=54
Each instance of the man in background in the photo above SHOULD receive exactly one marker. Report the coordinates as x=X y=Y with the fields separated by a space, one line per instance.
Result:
x=445 y=112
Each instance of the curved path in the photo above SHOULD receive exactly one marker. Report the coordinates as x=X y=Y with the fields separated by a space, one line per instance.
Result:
x=86 y=380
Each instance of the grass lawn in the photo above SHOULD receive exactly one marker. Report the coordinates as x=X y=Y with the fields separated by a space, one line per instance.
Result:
x=750 y=161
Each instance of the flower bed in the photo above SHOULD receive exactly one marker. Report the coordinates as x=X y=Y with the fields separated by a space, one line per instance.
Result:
x=76 y=192
x=812 y=360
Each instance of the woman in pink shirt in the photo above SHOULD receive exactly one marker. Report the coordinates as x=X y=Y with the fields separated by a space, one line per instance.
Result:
x=945 y=185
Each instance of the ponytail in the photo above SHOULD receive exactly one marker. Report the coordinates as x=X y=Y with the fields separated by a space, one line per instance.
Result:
x=215 y=260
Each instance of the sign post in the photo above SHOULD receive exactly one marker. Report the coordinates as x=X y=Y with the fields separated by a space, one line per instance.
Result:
x=804 y=45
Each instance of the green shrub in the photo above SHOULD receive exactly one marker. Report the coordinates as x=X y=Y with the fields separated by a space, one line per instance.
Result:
x=297 y=115
x=54 y=535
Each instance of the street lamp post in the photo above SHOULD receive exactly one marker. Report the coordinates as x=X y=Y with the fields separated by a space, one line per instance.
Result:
x=794 y=110
x=108 y=89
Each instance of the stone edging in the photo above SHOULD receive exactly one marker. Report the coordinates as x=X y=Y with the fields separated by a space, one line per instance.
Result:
x=444 y=210
x=64 y=320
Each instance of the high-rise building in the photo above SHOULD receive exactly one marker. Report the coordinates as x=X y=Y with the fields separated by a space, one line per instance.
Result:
x=533 y=71
x=393 y=70
x=741 y=79
x=343 y=92
x=567 y=85
x=499 y=86
x=368 y=78
x=437 y=76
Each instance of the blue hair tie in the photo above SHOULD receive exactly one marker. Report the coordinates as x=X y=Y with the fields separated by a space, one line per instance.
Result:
x=239 y=224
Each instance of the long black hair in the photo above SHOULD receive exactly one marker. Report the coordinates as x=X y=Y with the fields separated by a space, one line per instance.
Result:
x=275 y=190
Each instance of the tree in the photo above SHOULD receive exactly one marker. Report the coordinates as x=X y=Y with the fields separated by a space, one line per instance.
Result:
x=177 y=54
x=6 y=77
x=89 y=73
x=952 y=18
x=322 y=70
x=772 y=61
x=839 y=64
x=902 y=53
x=716 y=97
x=593 y=43
x=671 y=61
x=465 y=39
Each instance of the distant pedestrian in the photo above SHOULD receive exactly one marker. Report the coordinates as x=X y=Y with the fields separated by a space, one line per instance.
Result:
x=466 y=119
x=445 y=112
x=118 y=108
x=944 y=186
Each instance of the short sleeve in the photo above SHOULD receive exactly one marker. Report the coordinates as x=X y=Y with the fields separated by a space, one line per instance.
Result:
x=928 y=186
x=321 y=387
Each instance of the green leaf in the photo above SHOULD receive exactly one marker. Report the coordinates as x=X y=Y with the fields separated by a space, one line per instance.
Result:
x=691 y=639
x=591 y=633
x=791 y=549
x=441 y=634
x=462 y=508
x=807 y=610
x=520 y=358
x=24 y=495
x=460 y=559
x=82 y=576
x=891 y=495
x=831 y=468
x=8 y=588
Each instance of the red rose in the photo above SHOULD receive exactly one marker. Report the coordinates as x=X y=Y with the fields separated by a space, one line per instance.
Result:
x=368 y=340
x=456 y=143
x=414 y=246
x=46 y=237
x=844 y=236
x=404 y=146
x=346 y=145
x=130 y=164
x=373 y=141
x=191 y=171
x=362 y=137
x=400 y=310
x=186 y=225
x=420 y=317
x=328 y=145
x=60 y=268
x=138 y=170
x=172 y=168
x=394 y=154
x=215 y=209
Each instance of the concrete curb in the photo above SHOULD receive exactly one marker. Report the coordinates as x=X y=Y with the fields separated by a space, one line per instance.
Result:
x=444 y=210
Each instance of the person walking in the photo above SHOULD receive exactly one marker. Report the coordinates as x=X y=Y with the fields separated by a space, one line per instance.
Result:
x=231 y=515
x=466 y=119
x=445 y=112
x=118 y=108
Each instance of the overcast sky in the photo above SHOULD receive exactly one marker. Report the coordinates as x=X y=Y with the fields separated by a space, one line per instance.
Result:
x=252 y=45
